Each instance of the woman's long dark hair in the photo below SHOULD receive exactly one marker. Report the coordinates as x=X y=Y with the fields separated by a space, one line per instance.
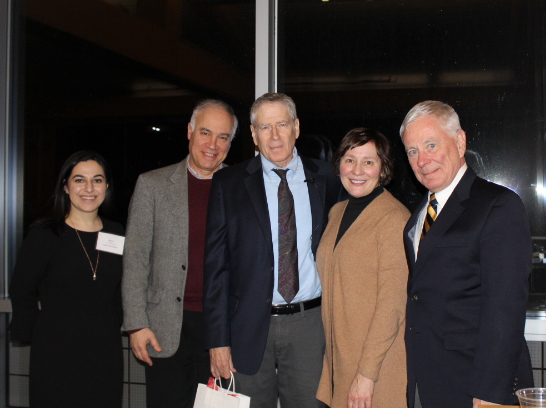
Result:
x=61 y=200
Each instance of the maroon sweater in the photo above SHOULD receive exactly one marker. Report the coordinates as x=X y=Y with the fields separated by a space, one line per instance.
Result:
x=198 y=198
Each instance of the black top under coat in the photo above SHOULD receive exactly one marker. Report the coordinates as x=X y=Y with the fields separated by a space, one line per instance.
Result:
x=354 y=207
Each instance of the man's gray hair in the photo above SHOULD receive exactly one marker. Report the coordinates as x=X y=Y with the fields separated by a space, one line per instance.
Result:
x=273 y=98
x=214 y=103
x=447 y=116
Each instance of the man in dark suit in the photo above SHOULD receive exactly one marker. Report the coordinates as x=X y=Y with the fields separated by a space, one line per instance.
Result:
x=257 y=323
x=469 y=252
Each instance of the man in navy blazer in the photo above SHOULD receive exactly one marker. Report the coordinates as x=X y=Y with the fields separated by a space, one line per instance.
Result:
x=468 y=283
x=274 y=346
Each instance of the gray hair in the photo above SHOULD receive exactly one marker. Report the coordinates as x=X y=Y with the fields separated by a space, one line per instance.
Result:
x=214 y=103
x=442 y=111
x=273 y=98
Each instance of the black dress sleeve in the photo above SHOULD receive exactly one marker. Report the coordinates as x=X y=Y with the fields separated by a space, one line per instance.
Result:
x=113 y=227
x=31 y=266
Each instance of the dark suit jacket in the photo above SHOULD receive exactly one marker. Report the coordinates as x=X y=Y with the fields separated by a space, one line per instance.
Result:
x=467 y=296
x=239 y=256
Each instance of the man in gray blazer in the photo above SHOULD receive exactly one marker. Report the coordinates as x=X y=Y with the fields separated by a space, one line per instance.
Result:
x=162 y=283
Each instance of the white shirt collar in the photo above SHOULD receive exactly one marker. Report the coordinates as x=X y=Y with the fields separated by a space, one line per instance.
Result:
x=443 y=196
x=196 y=174
x=292 y=167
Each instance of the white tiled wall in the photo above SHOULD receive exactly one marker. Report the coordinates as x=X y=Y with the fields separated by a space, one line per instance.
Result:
x=18 y=391
x=134 y=389
x=538 y=361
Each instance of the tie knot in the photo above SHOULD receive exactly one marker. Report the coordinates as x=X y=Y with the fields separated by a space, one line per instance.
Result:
x=281 y=173
x=433 y=200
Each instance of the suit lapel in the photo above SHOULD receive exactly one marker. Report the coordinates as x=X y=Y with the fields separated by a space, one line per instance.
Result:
x=408 y=239
x=449 y=214
x=316 y=186
x=254 y=183
x=447 y=217
x=177 y=193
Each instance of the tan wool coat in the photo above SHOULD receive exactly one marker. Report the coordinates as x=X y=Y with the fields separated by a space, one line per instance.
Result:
x=363 y=308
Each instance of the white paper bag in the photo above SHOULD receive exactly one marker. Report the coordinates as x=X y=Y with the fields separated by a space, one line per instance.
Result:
x=218 y=397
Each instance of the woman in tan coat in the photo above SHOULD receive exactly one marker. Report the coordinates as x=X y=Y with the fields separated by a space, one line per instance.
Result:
x=364 y=274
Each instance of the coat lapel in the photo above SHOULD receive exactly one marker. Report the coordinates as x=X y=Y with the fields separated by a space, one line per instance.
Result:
x=449 y=214
x=254 y=183
x=316 y=186
x=409 y=233
x=177 y=194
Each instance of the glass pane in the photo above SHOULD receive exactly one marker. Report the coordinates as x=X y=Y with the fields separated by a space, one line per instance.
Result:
x=121 y=77
x=366 y=63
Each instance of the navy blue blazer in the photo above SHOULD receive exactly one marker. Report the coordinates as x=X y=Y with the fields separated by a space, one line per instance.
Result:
x=238 y=270
x=467 y=296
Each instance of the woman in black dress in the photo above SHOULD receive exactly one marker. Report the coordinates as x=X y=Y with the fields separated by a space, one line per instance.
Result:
x=76 y=355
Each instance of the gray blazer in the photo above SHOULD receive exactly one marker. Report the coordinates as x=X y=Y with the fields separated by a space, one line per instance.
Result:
x=156 y=256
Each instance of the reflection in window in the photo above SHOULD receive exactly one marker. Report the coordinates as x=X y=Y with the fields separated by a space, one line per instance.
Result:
x=102 y=74
x=121 y=77
x=354 y=63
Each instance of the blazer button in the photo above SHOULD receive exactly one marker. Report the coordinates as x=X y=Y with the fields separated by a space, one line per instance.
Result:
x=415 y=298
x=411 y=328
x=179 y=299
x=268 y=301
x=183 y=267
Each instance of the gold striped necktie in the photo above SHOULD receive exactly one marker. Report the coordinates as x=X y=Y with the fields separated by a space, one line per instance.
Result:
x=431 y=215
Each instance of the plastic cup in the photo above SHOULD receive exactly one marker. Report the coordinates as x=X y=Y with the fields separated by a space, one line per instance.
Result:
x=532 y=397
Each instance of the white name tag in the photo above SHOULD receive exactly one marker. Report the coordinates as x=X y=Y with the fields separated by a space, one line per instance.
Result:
x=110 y=243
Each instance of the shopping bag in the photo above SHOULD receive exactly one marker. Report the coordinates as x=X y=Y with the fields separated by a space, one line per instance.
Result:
x=214 y=396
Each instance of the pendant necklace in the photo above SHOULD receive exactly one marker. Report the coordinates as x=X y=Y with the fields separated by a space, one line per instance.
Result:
x=94 y=270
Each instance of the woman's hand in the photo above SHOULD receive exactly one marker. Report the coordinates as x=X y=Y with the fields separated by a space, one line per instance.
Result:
x=361 y=392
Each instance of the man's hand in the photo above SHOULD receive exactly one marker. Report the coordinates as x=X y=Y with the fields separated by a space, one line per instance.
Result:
x=220 y=362
x=477 y=402
x=139 y=341
x=361 y=392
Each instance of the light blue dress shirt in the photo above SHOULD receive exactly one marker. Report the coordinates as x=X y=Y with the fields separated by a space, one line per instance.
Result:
x=310 y=286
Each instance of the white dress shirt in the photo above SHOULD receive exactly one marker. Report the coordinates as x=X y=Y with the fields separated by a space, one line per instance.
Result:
x=441 y=197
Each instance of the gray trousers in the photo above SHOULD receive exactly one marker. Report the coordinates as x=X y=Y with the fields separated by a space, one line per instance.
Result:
x=291 y=366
